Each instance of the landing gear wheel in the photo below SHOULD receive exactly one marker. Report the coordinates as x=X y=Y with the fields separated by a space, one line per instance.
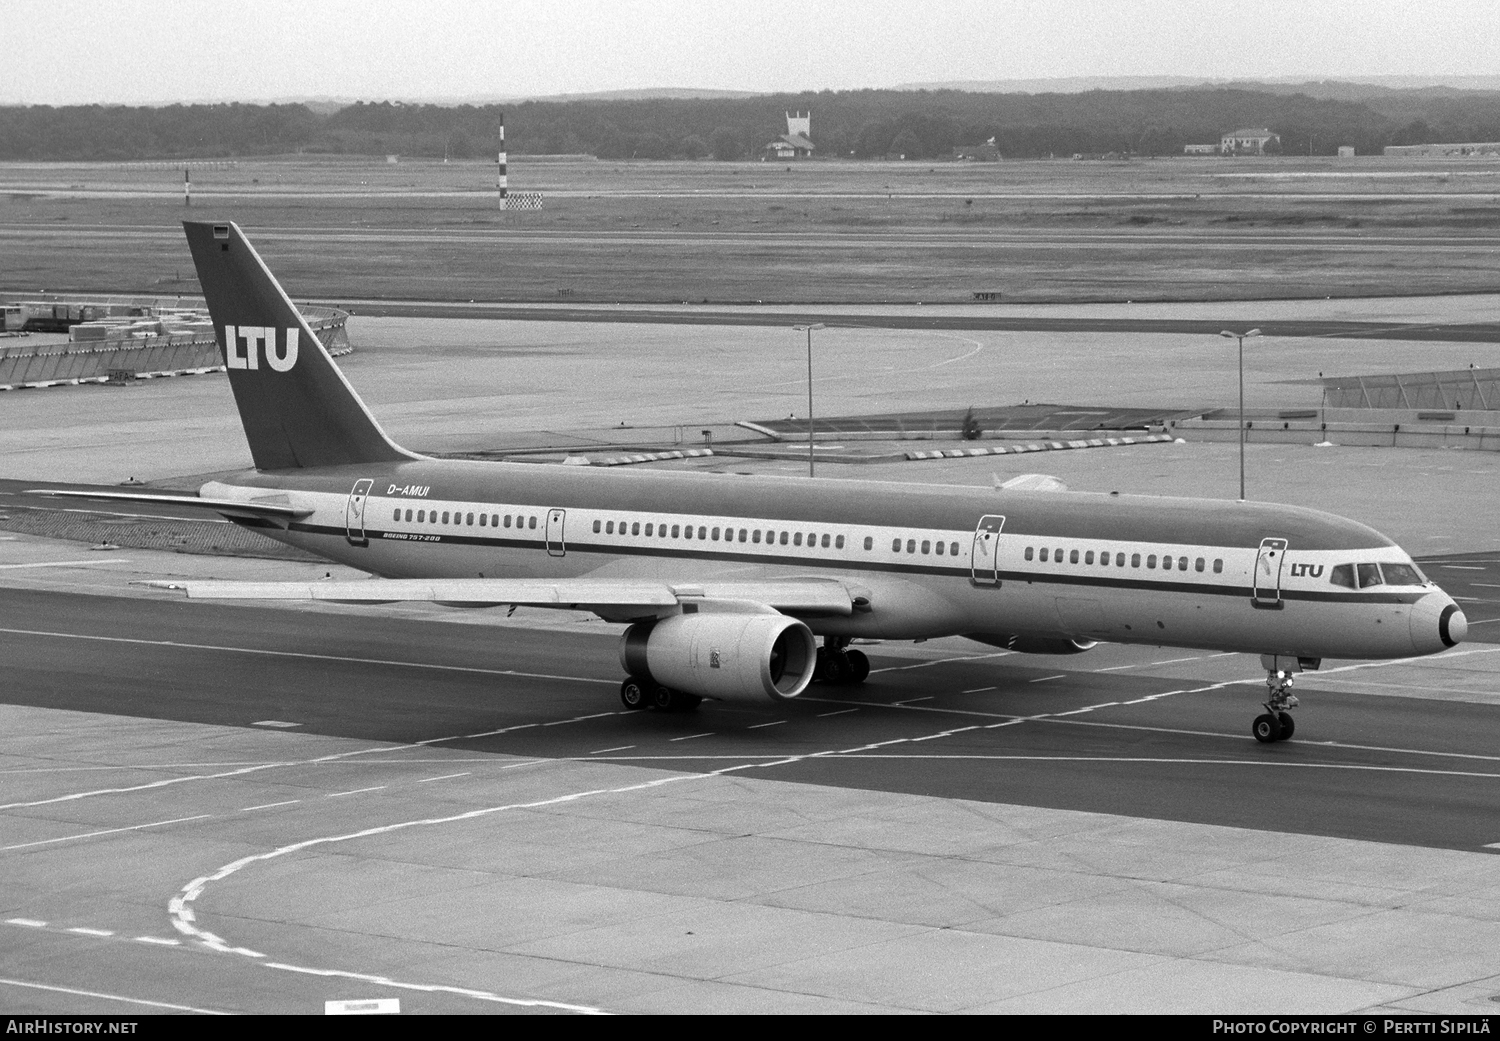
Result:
x=859 y=666
x=837 y=669
x=1288 y=725
x=1266 y=728
x=663 y=699
x=633 y=694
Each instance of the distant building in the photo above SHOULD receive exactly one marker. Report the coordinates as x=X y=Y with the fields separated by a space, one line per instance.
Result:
x=1346 y=151
x=1467 y=148
x=1248 y=141
x=989 y=152
x=796 y=143
x=1200 y=149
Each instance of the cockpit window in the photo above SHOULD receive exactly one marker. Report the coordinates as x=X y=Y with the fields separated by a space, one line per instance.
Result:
x=1342 y=575
x=1369 y=575
x=1402 y=575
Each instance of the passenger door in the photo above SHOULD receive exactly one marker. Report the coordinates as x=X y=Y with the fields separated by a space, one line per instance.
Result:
x=555 y=545
x=1268 y=565
x=354 y=513
x=984 y=562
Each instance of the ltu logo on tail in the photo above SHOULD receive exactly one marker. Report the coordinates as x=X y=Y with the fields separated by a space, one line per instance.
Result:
x=245 y=344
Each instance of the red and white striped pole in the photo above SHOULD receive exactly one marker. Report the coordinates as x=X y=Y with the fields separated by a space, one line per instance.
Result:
x=187 y=187
x=500 y=177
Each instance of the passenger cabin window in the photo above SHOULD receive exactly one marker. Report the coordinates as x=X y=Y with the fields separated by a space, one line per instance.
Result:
x=1044 y=554
x=1028 y=553
x=838 y=543
x=869 y=542
x=1218 y=565
x=1073 y=557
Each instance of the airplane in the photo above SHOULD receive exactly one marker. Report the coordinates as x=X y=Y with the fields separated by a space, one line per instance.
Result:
x=726 y=582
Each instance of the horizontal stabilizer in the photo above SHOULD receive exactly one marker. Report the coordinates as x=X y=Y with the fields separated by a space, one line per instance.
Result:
x=233 y=508
x=603 y=595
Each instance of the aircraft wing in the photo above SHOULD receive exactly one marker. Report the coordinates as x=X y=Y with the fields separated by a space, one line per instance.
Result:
x=608 y=597
x=273 y=508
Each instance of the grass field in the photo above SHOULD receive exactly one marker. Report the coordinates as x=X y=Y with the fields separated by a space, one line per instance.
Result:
x=1061 y=230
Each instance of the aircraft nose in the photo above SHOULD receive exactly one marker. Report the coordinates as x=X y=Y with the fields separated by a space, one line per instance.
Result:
x=1437 y=623
x=1452 y=625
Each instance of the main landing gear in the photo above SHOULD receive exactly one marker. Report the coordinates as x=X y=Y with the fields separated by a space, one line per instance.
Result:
x=1276 y=723
x=639 y=694
x=839 y=666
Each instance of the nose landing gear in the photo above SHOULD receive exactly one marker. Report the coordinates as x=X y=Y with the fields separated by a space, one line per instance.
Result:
x=1276 y=723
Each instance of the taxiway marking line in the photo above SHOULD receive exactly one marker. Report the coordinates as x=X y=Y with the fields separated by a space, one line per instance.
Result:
x=1044 y=679
x=107 y=831
x=184 y=919
x=689 y=737
x=758 y=726
x=161 y=941
x=306 y=656
x=66 y=563
x=110 y=997
x=978 y=690
x=270 y=805
x=356 y=791
x=840 y=712
x=444 y=777
x=867 y=753
x=84 y=930
x=618 y=748
x=30 y=923
x=325 y=760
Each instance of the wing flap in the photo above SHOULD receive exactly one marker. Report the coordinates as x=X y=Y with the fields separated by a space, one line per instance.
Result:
x=829 y=597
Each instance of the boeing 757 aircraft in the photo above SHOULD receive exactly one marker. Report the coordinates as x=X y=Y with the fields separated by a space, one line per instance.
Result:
x=727 y=582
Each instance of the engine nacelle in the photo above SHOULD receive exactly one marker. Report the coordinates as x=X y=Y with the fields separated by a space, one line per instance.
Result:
x=1035 y=644
x=723 y=655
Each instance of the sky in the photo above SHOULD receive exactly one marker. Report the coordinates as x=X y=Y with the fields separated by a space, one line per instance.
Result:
x=162 y=51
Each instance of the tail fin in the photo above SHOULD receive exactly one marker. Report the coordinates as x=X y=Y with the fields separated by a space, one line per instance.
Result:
x=296 y=406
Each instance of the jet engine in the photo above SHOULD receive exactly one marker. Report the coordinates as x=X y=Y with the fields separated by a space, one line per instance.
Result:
x=723 y=655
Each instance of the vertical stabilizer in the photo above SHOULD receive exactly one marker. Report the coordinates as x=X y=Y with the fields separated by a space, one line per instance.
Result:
x=296 y=406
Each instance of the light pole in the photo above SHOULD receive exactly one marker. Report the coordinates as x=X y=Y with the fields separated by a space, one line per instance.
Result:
x=809 y=330
x=1242 y=337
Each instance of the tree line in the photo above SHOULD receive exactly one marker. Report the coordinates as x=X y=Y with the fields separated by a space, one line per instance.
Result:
x=851 y=124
